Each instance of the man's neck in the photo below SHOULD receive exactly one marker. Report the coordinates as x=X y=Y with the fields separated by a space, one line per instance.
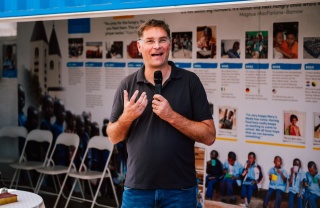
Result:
x=149 y=73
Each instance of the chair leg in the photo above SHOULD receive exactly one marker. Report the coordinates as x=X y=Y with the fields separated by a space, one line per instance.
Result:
x=39 y=183
x=71 y=191
x=97 y=192
x=13 y=178
x=18 y=178
x=114 y=190
x=30 y=180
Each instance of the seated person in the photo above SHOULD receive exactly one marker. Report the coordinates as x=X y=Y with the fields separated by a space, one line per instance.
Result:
x=312 y=186
x=232 y=170
x=214 y=173
x=252 y=176
x=278 y=178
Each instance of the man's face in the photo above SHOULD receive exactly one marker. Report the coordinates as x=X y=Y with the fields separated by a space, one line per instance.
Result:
x=155 y=47
x=290 y=39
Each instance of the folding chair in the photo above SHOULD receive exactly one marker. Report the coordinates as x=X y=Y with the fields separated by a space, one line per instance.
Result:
x=101 y=143
x=9 y=136
x=67 y=140
x=23 y=164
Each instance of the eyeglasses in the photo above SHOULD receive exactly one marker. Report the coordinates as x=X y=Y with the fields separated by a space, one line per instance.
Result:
x=152 y=42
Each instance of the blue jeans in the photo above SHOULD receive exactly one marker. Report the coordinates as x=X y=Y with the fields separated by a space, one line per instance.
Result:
x=311 y=199
x=159 y=198
x=247 y=191
x=227 y=186
x=278 y=197
x=210 y=186
x=291 y=200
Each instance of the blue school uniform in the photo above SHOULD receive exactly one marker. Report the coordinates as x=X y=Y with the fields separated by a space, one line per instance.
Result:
x=251 y=180
x=227 y=182
x=279 y=183
x=278 y=186
x=312 y=191
x=294 y=188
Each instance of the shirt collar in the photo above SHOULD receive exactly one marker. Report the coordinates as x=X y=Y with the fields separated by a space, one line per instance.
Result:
x=175 y=73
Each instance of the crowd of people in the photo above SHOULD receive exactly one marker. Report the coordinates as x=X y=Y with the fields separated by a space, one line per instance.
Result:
x=302 y=187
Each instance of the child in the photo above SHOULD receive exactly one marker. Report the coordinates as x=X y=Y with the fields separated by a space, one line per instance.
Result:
x=277 y=44
x=290 y=46
x=278 y=177
x=214 y=171
x=61 y=153
x=252 y=177
x=232 y=170
x=312 y=184
x=296 y=184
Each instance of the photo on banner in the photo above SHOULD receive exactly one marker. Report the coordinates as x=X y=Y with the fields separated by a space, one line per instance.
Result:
x=285 y=40
x=94 y=50
x=114 y=50
x=227 y=121
x=316 y=124
x=311 y=48
x=9 y=60
x=230 y=48
x=206 y=42
x=256 y=44
x=75 y=47
x=294 y=126
x=182 y=45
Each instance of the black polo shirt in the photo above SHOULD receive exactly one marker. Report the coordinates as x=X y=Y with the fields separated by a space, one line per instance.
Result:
x=159 y=156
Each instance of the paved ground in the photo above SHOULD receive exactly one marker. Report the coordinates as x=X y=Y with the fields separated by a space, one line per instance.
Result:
x=256 y=202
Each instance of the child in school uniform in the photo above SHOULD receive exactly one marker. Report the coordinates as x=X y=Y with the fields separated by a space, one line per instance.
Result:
x=232 y=170
x=214 y=173
x=278 y=178
x=295 y=181
x=252 y=177
x=312 y=186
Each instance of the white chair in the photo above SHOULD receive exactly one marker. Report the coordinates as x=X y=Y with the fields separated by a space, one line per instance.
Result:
x=67 y=140
x=9 y=136
x=101 y=143
x=11 y=132
x=23 y=164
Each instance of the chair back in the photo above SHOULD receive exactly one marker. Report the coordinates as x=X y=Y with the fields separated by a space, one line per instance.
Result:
x=10 y=142
x=13 y=131
x=38 y=136
x=100 y=143
x=67 y=139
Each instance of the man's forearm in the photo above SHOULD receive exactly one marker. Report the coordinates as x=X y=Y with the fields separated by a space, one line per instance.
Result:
x=203 y=131
x=118 y=130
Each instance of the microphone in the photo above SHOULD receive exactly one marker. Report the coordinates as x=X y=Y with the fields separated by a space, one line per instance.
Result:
x=157 y=82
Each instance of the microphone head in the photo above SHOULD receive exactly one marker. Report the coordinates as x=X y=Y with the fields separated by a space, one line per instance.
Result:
x=157 y=77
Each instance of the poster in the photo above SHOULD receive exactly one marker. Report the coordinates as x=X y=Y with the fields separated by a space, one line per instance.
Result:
x=261 y=89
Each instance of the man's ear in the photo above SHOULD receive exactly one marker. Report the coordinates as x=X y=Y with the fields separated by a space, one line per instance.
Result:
x=139 y=46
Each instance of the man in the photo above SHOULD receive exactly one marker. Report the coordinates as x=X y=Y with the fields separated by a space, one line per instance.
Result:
x=160 y=133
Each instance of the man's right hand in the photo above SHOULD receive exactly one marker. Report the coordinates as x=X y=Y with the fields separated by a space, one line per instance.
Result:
x=133 y=109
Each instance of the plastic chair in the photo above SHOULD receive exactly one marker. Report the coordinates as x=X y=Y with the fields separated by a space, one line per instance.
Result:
x=101 y=143
x=23 y=164
x=11 y=132
x=67 y=140
x=9 y=136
